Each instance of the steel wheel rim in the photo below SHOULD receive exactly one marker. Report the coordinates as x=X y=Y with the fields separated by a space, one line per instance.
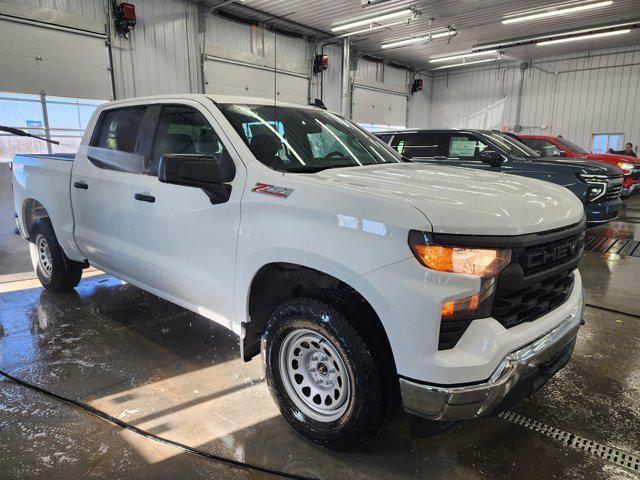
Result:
x=44 y=256
x=314 y=375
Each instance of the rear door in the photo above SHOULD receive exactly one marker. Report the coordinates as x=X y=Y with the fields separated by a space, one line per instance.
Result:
x=185 y=246
x=100 y=193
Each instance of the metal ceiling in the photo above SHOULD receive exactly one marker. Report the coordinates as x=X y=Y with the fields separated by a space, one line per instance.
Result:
x=476 y=21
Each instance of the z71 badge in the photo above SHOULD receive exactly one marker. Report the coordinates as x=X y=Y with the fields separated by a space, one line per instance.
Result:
x=282 y=192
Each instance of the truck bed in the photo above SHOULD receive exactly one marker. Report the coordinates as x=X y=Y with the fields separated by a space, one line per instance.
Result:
x=44 y=181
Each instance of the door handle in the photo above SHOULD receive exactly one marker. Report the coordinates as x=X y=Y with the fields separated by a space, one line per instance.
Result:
x=144 y=198
x=81 y=185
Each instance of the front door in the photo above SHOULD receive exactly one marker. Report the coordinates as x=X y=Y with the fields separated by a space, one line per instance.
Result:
x=185 y=246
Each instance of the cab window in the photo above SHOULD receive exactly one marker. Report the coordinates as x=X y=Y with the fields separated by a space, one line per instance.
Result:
x=420 y=145
x=182 y=130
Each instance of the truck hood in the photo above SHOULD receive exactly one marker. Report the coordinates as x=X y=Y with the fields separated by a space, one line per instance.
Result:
x=464 y=201
x=609 y=157
x=583 y=165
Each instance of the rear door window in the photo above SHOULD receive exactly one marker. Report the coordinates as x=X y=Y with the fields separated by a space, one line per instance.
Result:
x=420 y=145
x=465 y=147
x=119 y=128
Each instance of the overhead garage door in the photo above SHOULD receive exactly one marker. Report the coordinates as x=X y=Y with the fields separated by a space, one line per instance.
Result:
x=36 y=57
x=377 y=107
x=231 y=78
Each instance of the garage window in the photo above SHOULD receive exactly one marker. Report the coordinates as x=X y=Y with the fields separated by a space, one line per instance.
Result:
x=602 y=142
x=59 y=118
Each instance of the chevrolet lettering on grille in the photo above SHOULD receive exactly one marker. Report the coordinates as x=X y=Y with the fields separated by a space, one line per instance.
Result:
x=553 y=253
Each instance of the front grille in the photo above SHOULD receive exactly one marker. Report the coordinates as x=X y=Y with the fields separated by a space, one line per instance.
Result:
x=636 y=174
x=537 y=258
x=613 y=192
x=512 y=308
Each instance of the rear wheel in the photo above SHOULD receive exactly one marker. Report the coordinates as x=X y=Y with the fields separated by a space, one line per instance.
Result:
x=55 y=270
x=325 y=374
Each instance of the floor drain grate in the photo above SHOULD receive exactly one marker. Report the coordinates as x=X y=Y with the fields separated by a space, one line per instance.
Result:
x=619 y=246
x=619 y=457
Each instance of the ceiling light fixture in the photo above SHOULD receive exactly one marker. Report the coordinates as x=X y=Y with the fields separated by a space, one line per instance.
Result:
x=516 y=42
x=464 y=64
x=580 y=38
x=440 y=33
x=459 y=56
x=565 y=9
x=372 y=28
x=355 y=23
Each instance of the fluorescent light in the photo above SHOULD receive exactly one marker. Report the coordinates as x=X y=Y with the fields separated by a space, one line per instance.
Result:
x=554 y=11
x=550 y=36
x=461 y=55
x=464 y=64
x=583 y=37
x=407 y=12
x=419 y=39
x=371 y=28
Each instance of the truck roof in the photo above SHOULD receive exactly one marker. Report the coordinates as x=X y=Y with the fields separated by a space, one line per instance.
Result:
x=203 y=97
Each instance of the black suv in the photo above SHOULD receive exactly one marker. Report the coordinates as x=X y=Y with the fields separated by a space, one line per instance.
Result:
x=598 y=185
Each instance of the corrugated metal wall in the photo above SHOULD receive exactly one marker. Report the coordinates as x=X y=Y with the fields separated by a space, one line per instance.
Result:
x=573 y=95
x=161 y=54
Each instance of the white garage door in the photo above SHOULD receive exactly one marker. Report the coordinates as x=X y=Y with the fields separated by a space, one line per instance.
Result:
x=375 y=107
x=60 y=62
x=226 y=78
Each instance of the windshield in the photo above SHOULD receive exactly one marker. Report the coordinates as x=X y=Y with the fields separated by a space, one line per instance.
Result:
x=510 y=145
x=572 y=146
x=305 y=140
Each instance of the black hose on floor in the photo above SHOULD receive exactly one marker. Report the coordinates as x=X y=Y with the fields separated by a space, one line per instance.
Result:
x=151 y=436
x=612 y=310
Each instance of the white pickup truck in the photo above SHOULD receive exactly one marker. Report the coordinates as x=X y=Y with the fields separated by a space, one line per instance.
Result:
x=362 y=278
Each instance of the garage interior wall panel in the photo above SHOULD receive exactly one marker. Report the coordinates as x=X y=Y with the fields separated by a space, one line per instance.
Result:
x=379 y=108
x=93 y=9
x=35 y=58
x=161 y=54
x=241 y=60
x=571 y=95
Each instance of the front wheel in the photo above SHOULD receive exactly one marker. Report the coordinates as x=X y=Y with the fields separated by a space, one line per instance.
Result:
x=325 y=374
x=55 y=271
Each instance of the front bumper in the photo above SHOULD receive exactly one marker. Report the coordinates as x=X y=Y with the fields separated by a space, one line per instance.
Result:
x=599 y=213
x=521 y=373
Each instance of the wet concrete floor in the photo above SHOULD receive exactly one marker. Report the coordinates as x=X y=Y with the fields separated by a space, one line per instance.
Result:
x=176 y=375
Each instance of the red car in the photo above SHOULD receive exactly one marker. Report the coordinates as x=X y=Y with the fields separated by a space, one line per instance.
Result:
x=549 y=146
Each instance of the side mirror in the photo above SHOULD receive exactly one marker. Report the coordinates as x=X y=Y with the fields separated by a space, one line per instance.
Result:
x=208 y=172
x=491 y=157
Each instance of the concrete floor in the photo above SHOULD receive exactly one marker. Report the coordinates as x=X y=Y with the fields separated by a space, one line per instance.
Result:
x=176 y=375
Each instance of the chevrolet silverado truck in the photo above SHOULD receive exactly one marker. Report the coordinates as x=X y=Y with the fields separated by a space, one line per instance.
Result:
x=363 y=280
x=550 y=146
x=597 y=185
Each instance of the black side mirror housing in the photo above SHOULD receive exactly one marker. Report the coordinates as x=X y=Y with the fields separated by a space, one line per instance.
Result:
x=211 y=173
x=491 y=157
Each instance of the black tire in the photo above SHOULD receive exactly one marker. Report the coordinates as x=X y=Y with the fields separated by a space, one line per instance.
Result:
x=371 y=398
x=57 y=273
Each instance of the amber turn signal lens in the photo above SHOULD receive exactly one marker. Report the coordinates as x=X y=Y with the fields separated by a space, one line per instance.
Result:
x=436 y=257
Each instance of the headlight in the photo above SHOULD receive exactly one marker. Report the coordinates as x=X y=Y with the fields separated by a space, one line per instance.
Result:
x=626 y=167
x=597 y=185
x=481 y=262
